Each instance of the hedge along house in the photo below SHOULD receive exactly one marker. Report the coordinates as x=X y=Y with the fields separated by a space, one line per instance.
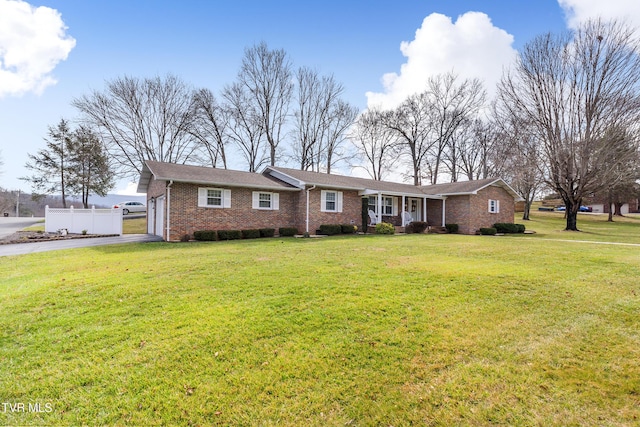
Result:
x=182 y=199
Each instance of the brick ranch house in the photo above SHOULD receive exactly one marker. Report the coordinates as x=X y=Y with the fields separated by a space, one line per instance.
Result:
x=182 y=199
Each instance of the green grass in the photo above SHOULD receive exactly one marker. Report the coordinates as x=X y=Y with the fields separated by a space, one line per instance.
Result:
x=593 y=227
x=134 y=226
x=358 y=330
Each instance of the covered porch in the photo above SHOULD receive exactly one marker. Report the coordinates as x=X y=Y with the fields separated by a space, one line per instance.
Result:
x=400 y=209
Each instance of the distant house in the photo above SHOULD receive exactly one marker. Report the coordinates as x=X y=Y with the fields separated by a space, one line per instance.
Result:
x=182 y=199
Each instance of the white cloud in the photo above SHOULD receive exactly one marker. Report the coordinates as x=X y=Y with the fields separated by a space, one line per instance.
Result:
x=578 y=11
x=471 y=47
x=32 y=42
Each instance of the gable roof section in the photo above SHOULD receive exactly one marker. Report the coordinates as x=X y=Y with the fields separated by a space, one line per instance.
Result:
x=469 y=187
x=207 y=176
x=365 y=186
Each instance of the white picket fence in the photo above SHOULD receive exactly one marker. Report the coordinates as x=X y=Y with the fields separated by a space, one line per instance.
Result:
x=94 y=221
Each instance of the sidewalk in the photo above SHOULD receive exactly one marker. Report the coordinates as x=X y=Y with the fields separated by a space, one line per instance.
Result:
x=32 y=247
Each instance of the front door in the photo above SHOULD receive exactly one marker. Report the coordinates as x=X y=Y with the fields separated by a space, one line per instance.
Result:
x=159 y=214
x=415 y=209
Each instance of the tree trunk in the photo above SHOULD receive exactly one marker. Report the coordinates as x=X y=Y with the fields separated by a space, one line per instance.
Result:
x=527 y=210
x=571 y=214
x=610 y=203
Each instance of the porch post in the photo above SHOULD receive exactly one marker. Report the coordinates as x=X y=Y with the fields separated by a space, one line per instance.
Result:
x=444 y=210
x=379 y=212
x=424 y=211
x=402 y=210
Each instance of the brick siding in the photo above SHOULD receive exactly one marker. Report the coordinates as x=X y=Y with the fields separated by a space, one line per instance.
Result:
x=469 y=212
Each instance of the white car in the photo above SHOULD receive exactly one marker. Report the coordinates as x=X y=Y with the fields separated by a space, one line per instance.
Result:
x=131 y=207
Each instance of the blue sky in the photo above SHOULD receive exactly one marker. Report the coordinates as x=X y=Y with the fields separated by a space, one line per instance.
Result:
x=87 y=42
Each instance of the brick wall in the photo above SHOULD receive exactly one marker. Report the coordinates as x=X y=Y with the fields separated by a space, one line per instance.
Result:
x=471 y=212
x=479 y=208
x=187 y=216
x=351 y=211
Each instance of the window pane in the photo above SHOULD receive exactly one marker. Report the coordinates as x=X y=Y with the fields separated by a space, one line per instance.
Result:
x=388 y=206
x=373 y=203
x=330 y=201
x=214 y=197
x=264 y=200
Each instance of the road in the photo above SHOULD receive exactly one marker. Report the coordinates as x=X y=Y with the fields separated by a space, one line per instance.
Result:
x=10 y=225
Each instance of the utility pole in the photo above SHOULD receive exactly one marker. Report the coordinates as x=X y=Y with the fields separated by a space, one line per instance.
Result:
x=18 y=205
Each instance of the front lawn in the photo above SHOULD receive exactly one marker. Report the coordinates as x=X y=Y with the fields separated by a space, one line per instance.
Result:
x=356 y=330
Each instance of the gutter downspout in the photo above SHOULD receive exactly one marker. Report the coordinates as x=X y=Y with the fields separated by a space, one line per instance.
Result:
x=444 y=210
x=169 y=209
x=307 y=222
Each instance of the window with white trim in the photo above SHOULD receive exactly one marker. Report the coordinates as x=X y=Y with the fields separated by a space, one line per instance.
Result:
x=494 y=206
x=214 y=198
x=389 y=205
x=265 y=201
x=330 y=201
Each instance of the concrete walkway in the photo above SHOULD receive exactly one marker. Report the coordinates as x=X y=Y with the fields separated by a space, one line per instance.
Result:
x=32 y=247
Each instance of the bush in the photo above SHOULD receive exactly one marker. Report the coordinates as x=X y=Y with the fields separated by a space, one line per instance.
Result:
x=451 y=228
x=229 y=234
x=287 y=231
x=488 y=231
x=267 y=232
x=205 y=235
x=330 y=229
x=250 y=234
x=506 y=227
x=416 y=227
x=385 y=228
x=348 y=228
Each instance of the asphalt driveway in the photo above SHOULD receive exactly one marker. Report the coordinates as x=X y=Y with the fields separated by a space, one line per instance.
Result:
x=32 y=247
x=10 y=225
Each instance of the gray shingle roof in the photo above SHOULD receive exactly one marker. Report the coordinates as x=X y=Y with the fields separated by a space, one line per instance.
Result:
x=208 y=176
x=347 y=182
x=287 y=179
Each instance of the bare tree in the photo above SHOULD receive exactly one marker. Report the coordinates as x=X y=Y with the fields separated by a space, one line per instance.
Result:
x=341 y=117
x=624 y=163
x=518 y=157
x=452 y=108
x=573 y=88
x=321 y=120
x=266 y=75
x=210 y=127
x=140 y=119
x=375 y=142
x=409 y=123
x=245 y=126
x=313 y=98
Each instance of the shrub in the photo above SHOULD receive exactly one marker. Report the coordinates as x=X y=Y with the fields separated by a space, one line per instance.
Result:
x=330 y=229
x=287 y=231
x=205 y=235
x=488 y=231
x=385 y=228
x=348 y=228
x=451 y=228
x=267 y=232
x=506 y=227
x=250 y=234
x=229 y=234
x=416 y=227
